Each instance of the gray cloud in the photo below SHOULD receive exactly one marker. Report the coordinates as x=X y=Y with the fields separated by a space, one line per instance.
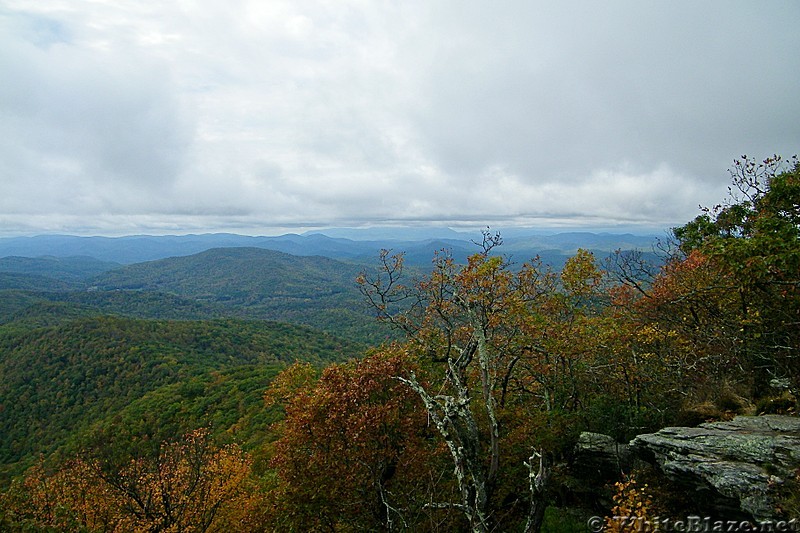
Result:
x=561 y=93
x=150 y=117
x=90 y=129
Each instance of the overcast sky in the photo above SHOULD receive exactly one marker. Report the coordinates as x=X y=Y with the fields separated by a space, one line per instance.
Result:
x=264 y=116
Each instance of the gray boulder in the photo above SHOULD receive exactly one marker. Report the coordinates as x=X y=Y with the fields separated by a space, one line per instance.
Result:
x=744 y=461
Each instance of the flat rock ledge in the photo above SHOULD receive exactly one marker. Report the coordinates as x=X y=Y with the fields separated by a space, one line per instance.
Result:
x=745 y=460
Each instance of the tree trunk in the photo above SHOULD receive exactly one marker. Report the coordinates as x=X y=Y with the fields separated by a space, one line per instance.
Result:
x=538 y=485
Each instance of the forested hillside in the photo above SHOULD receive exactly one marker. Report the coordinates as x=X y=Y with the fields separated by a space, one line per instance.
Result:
x=250 y=283
x=257 y=283
x=239 y=275
x=73 y=268
x=47 y=307
x=15 y=280
x=144 y=379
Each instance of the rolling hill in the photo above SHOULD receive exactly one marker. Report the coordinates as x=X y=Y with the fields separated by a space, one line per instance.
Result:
x=257 y=283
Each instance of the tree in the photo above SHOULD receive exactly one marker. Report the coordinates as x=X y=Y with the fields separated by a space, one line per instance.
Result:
x=355 y=450
x=462 y=419
x=191 y=485
x=473 y=330
x=752 y=245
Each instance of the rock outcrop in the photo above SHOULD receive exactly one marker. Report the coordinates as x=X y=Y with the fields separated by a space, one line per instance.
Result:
x=596 y=463
x=600 y=456
x=744 y=462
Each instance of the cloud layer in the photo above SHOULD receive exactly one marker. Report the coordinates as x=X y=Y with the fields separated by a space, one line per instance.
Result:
x=120 y=117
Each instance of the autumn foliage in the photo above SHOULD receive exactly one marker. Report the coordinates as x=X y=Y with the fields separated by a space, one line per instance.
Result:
x=191 y=485
x=356 y=450
x=732 y=293
x=632 y=508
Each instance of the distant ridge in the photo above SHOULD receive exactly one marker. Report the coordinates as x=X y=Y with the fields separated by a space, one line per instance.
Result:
x=393 y=234
x=342 y=244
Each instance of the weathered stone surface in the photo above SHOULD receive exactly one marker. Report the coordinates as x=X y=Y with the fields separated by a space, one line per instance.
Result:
x=744 y=460
x=602 y=456
x=596 y=463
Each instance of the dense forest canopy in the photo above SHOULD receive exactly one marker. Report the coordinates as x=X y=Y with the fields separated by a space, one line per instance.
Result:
x=465 y=418
x=64 y=382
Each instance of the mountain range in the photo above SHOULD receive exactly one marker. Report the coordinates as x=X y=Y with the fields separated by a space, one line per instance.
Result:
x=342 y=244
